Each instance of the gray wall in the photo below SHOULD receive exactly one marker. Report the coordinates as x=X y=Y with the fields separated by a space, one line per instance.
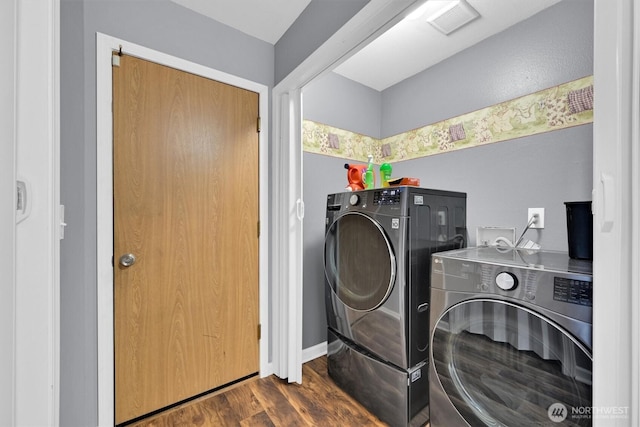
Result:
x=160 y=25
x=78 y=351
x=315 y=25
x=343 y=103
x=502 y=180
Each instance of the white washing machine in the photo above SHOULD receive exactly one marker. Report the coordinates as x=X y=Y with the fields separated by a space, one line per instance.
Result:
x=511 y=335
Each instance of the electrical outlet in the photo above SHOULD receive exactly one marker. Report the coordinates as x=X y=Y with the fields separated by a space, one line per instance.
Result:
x=539 y=222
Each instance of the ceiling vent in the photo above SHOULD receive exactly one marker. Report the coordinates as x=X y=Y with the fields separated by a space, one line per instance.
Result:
x=453 y=17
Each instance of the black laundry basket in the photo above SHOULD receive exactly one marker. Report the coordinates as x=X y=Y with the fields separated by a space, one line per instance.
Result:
x=580 y=230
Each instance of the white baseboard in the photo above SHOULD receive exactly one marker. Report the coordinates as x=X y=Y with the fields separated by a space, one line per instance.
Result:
x=266 y=370
x=314 y=352
x=308 y=354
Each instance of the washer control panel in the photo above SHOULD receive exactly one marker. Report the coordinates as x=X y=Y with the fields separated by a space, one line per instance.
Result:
x=573 y=291
x=566 y=292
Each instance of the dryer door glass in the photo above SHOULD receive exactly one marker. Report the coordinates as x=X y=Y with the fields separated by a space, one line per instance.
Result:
x=502 y=364
x=359 y=263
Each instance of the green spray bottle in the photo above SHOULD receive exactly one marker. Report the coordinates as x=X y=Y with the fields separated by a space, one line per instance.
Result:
x=369 y=177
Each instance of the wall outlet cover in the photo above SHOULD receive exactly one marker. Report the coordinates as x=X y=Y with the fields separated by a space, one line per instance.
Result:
x=539 y=223
x=492 y=236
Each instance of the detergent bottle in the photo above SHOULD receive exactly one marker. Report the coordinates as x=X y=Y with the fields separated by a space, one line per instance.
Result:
x=355 y=176
x=385 y=174
x=369 y=177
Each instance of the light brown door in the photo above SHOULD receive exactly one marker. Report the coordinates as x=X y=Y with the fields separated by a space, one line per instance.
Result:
x=186 y=207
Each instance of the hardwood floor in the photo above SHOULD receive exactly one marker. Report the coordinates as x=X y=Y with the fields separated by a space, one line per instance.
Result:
x=272 y=402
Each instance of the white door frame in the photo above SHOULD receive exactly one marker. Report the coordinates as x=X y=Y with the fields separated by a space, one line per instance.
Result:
x=105 y=46
x=616 y=188
x=36 y=292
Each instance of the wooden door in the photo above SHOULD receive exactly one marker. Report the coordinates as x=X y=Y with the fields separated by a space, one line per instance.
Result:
x=186 y=206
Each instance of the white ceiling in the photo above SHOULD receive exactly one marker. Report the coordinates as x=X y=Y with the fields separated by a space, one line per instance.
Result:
x=264 y=19
x=411 y=46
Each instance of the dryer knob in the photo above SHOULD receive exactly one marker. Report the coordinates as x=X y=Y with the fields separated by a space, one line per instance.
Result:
x=354 y=199
x=506 y=281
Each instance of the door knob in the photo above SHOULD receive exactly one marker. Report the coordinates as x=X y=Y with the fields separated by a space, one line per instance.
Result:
x=127 y=260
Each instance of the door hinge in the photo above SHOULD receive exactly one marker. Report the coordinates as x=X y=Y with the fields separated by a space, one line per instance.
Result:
x=115 y=57
x=258 y=229
x=259 y=331
x=259 y=125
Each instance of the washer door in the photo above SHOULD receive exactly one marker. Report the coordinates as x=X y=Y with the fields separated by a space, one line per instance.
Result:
x=359 y=262
x=504 y=365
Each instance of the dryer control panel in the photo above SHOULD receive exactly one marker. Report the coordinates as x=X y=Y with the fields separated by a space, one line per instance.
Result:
x=390 y=196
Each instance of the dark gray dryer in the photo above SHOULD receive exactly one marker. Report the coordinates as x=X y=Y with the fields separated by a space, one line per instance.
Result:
x=378 y=248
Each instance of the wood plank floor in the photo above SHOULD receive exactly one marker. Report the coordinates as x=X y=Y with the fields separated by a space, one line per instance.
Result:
x=272 y=402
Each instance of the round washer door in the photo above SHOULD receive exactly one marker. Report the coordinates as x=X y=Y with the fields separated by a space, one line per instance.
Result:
x=504 y=365
x=359 y=261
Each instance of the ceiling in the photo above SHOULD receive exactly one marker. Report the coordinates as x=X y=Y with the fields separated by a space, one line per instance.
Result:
x=264 y=19
x=408 y=48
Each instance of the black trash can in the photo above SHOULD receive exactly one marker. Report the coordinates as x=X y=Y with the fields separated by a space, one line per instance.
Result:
x=580 y=230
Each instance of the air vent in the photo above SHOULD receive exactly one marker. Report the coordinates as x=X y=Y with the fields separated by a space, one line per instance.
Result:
x=453 y=17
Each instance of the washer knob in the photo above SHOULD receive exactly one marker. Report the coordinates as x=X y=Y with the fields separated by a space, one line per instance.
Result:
x=506 y=281
x=354 y=199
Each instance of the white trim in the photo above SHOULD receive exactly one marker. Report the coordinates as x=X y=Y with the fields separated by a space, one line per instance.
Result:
x=105 y=45
x=296 y=215
x=55 y=206
x=635 y=217
x=286 y=275
x=615 y=327
x=8 y=30
x=314 y=352
x=280 y=301
x=287 y=300
x=104 y=191
x=37 y=340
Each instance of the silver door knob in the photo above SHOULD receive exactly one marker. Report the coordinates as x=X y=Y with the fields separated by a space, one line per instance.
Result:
x=127 y=260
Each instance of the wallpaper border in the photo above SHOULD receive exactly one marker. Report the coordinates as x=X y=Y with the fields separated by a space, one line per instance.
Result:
x=559 y=107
